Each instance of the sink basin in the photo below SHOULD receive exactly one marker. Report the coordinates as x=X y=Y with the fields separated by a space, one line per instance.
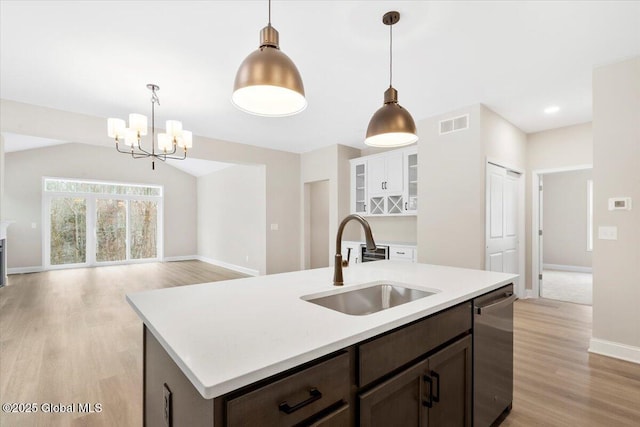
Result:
x=370 y=299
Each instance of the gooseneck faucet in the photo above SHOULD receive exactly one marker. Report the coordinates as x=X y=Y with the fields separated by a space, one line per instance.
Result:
x=339 y=263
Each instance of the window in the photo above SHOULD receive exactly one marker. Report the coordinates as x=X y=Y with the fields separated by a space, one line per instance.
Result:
x=589 y=215
x=97 y=223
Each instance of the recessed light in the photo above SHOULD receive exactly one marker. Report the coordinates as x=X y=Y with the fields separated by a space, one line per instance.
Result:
x=552 y=109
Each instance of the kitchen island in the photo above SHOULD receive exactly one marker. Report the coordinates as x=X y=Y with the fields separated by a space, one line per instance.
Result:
x=222 y=343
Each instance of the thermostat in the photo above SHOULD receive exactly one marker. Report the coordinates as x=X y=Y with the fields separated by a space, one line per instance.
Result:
x=620 y=203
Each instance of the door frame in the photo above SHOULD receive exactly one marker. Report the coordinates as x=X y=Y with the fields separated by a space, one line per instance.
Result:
x=536 y=247
x=520 y=289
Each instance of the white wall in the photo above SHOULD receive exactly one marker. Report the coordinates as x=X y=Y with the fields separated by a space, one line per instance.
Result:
x=616 y=172
x=329 y=163
x=2 y=177
x=450 y=193
x=565 y=218
x=231 y=218
x=282 y=168
x=451 y=187
x=552 y=149
x=318 y=224
x=23 y=194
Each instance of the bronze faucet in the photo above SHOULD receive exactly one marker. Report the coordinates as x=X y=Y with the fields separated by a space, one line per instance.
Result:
x=338 y=280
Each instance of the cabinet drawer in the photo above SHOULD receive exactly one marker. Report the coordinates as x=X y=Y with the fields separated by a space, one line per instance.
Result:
x=294 y=398
x=338 y=418
x=397 y=348
x=400 y=254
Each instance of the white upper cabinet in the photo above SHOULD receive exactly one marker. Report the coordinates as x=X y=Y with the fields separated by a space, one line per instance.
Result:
x=385 y=184
x=359 y=186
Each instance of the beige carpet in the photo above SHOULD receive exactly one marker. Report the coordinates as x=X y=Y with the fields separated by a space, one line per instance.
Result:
x=567 y=286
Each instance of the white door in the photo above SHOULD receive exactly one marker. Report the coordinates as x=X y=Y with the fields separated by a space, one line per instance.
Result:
x=502 y=220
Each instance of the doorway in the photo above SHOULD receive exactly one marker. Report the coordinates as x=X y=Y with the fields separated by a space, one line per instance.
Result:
x=558 y=272
x=317 y=224
x=504 y=222
x=565 y=225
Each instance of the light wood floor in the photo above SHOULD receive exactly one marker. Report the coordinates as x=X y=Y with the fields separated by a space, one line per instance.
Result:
x=69 y=336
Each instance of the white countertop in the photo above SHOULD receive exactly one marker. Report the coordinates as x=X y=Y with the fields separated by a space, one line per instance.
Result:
x=225 y=335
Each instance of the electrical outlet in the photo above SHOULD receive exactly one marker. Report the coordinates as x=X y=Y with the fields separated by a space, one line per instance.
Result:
x=274 y=227
x=34 y=225
x=608 y=233
x=167 y=405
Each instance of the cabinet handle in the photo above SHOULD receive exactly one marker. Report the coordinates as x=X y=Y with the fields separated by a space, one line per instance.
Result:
x=428 y=402
x=382 y=185
x=314 y=394
x=436 y=376
x=399 y=253
x=385 y=185
x=405 y=205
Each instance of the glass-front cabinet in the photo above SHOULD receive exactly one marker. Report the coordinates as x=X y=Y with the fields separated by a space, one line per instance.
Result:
x=359 y=187
x=385 y=184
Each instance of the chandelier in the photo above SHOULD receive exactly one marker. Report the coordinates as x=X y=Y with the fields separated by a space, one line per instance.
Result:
x=168 y=142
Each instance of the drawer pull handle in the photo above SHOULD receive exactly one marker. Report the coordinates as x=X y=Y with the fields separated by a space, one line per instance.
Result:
x=314 y=394
x=399 y=253
x=436 y=376
x=428 y=402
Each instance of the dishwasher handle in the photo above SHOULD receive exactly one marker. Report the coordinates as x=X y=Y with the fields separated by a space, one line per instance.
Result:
x=509 y=298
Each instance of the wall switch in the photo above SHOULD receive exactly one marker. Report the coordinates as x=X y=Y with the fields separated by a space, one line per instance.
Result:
x=274 y=227
x=608 y=233
x=34 y=225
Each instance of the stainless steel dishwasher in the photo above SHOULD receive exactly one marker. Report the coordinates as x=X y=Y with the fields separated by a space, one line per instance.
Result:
x=493 y=355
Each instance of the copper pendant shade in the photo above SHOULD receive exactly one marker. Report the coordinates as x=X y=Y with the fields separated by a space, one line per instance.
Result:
x=268 y=83
x=391 y=125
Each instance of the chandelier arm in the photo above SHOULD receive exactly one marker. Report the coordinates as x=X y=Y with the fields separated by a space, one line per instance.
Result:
x=142 y=150
x=121 y=151
x=184 y=156
x=137 y=155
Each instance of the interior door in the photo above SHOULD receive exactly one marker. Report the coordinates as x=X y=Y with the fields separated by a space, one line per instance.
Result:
x=502 y=196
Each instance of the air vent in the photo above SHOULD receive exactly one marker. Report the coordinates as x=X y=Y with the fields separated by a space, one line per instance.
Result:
x=454 y=124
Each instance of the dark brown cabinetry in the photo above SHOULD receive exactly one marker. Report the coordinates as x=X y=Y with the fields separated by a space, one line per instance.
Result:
x=433 y=392
x=416 y=375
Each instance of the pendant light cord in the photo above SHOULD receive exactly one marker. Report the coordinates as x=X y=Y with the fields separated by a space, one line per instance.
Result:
x=269 y=12
x=390 y=55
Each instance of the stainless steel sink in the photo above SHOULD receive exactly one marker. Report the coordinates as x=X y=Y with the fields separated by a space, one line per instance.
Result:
x=370 y=299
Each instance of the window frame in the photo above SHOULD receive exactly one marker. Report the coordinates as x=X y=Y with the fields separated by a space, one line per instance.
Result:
x=91 y=213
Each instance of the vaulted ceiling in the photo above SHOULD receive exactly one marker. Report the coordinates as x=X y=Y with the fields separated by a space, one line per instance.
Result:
x=517 y=58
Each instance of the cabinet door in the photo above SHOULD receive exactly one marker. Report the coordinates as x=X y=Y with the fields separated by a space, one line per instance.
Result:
x=376 y=176
x=411 y=188
x=398 y=402
x=450 y=370
x=394 y=180
x=359 y=188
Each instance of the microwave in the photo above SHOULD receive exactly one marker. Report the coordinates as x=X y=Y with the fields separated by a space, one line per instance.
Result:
x=380 y=253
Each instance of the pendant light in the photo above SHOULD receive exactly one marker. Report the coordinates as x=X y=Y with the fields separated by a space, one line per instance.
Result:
x=391 y=125
x=268 y=82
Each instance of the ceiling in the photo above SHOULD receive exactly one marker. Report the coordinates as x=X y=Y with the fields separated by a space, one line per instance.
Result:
x=515 y=57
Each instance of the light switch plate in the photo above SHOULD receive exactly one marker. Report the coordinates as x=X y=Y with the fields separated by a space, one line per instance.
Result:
x=274 y=227
x=608 y=233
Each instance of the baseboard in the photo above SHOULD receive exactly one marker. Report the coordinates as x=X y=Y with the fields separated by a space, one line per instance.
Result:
x=179 y=258
x=228 y=266
x=573 y=268
x=615 y=350
x=23 y=270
